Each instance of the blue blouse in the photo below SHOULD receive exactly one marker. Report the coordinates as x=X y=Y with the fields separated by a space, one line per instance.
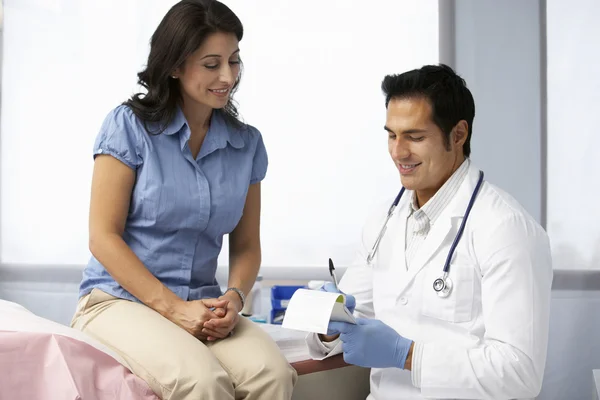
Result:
x=180 y=206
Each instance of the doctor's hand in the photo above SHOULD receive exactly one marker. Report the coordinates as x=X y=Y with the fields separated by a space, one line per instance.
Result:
x=225 y=320
x=372 y=344
x=350 y=304
x=350 y=300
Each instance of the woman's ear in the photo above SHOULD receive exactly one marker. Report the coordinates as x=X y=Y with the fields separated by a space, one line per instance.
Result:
x=176 y=72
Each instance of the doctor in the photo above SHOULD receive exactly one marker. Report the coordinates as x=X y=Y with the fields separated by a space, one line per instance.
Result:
x=437 y=320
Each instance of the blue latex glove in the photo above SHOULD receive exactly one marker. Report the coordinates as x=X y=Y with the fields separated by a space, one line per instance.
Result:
x=350 y=302
x=372 y=344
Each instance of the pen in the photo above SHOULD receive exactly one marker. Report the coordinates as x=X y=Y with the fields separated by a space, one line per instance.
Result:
x=332 y=273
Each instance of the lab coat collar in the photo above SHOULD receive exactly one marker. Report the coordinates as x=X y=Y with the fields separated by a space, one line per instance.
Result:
x=458 y=205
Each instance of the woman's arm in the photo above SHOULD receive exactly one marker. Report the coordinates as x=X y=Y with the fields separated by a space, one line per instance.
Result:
x=244 y=245
x=112 y=185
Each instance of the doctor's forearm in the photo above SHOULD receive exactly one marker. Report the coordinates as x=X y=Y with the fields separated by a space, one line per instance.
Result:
x=409 y=357
x=327 y=339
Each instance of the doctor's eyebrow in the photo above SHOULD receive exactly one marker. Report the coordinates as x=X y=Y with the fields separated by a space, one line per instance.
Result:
x=408 y=131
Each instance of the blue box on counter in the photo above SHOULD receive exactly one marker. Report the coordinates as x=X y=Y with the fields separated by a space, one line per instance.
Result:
x=280 y=298
x=281 y=295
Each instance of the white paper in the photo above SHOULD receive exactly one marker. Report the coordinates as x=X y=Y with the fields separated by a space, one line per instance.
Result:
x=311 y=311
x=292 y=343
x=282 y=336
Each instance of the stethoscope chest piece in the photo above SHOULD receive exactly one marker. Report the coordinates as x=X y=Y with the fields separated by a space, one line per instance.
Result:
x=442 y=286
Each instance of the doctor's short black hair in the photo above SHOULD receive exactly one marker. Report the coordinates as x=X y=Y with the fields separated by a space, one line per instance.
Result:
x=450 y=99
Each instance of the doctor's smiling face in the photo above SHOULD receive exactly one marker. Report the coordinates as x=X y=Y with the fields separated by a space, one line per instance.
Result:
x=429 y=116
x=419 y=148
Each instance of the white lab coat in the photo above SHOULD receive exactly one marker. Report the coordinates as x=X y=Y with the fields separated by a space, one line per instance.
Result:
x=488 y=339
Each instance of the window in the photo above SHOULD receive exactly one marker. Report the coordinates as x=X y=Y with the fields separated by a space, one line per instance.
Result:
x=573 y=140
x=311 y=85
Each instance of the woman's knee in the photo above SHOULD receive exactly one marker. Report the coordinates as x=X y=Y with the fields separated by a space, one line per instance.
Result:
x=280 y=371
x=272 y=371
x=205 y=384
x=255 y=363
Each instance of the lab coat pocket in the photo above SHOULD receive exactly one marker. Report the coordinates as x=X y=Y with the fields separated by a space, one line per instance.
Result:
x=458 y=306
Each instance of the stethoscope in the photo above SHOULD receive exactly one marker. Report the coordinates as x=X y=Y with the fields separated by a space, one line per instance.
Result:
x=443 y=284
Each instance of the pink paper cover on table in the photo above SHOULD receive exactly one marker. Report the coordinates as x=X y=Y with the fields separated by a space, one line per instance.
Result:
x=36 y=365
x=45 y=360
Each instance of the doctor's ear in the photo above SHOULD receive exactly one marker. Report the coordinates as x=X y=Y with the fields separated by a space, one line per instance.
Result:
x=460 y=133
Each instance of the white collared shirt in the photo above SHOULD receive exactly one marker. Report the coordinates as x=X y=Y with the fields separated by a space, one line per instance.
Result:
x=420 y=220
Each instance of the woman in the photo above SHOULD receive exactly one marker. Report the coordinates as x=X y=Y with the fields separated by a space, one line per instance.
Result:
x=174 y=171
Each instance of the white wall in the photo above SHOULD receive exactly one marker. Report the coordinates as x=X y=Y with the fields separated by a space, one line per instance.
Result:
x=498 y=54
x=574 y=344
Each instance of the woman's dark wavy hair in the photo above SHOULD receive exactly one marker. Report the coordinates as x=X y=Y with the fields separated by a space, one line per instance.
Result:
x=181 y=32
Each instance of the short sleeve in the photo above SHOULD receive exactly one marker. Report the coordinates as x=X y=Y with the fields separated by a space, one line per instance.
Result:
x=119 y=137
x=260 y=163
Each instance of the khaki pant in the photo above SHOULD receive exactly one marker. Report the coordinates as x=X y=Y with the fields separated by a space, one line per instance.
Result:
x=247 y=365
